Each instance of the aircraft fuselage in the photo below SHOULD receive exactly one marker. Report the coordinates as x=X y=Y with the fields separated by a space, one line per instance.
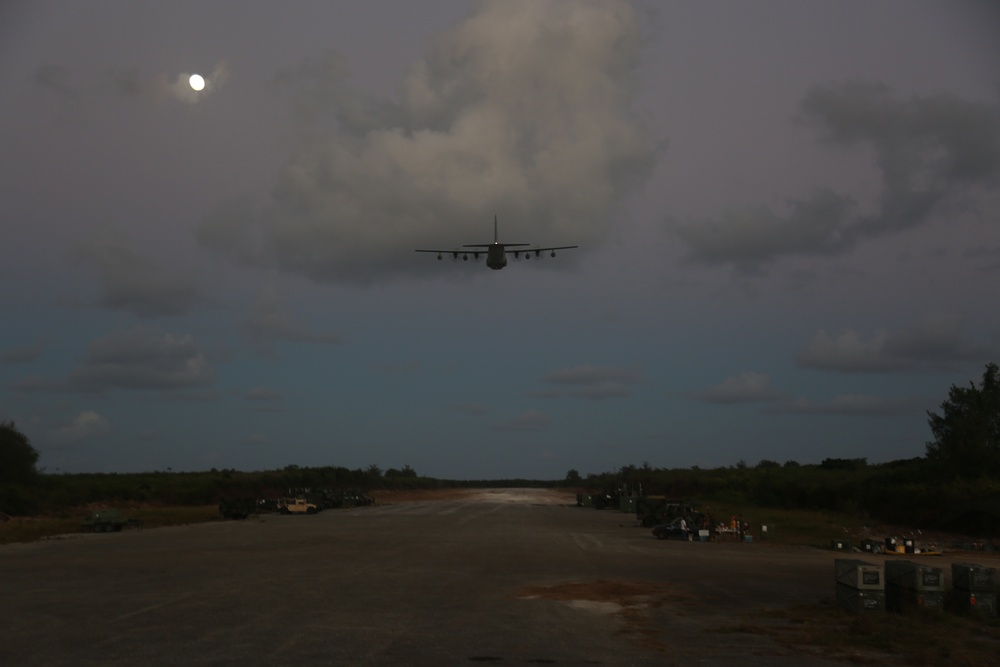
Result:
x=496 y=258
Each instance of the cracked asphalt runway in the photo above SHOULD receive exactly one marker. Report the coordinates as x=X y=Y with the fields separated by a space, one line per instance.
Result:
x=513 y=576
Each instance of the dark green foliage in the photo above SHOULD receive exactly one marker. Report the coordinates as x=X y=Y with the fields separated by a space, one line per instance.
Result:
x=406 y=472
x=54 y=493
x=843 y=464
x=908 y=492
x=18 y=477
x=905 y=492
x=18 y=500
x=967 y=432
x=17 y=456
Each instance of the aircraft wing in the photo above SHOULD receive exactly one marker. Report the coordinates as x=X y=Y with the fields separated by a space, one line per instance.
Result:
x=473 y=245
x=519 y=248
x=487 y=245
x=455 y=252
x=558 y=247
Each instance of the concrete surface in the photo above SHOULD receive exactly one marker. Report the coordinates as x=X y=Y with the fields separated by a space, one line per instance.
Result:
x=503 y=577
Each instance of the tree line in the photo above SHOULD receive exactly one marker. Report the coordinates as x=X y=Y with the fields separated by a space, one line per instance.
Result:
x=955 y=485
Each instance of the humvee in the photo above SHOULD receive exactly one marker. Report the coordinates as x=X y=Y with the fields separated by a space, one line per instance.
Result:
x=298 y=506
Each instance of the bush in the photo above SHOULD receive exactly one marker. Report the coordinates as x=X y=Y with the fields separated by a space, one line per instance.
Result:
x=18 y=500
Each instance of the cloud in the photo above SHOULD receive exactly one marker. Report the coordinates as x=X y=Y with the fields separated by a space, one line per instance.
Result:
x=85 y=426
x=813 y=226
x=745 y=388
x=141 y=358
x=56 y=78
x=21 y=355
x=179 y=87
x=67 y=83
x=523 y=110
x=532 y=420
x=989 y=258
x=126 y=82
x=595 y=382
x=931 y=152
x=934 y=342
x=757 y=388
x=134 y=283
x=850 y=404
x=269 y=322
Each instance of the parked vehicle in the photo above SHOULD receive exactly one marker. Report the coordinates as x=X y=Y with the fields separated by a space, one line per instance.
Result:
x=672 y=530
x=298 y=506
x=105 y=521
x=237 y=508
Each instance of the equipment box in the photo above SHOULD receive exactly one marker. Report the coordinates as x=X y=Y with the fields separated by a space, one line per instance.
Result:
x=909 y=585
x=859 y=574
x=860 y=601
x=916 y=576
x=971 y=577
x=972 y=602
x=900 y=599
x=870 y=546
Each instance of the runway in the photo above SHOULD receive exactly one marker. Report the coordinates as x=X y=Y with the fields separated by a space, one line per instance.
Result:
x=502 y=577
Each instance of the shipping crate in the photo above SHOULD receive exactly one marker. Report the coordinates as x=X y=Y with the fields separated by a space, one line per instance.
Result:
x=859 y=601
x=859 y=574
x=973 y=602
x=972 y=577
x=918 y=576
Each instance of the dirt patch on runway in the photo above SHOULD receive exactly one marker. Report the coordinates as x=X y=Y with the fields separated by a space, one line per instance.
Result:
x=625 y=594
x=632 y=601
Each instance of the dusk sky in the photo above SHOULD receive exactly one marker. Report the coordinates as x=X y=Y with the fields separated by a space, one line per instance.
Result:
x=787 y=213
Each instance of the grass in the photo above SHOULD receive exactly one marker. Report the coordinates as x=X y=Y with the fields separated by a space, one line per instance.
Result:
x=917 y=637
x=29 y=529
x=793 y=527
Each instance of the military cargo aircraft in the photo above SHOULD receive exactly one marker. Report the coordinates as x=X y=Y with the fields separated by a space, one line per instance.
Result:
x=496 y=252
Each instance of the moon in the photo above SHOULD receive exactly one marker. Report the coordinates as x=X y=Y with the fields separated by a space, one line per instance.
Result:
x=197 y=81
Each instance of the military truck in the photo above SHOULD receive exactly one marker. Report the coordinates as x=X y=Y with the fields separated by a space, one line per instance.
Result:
x=231 y=507
x=105 y=521
x=298 y=506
